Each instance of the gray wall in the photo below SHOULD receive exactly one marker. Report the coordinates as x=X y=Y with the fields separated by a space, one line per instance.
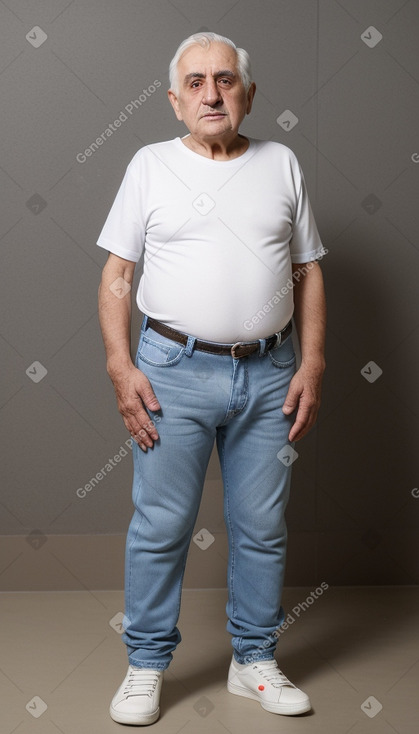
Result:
x=354 y=513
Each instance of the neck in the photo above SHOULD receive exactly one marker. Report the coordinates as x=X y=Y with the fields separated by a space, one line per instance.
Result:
x=219 y=149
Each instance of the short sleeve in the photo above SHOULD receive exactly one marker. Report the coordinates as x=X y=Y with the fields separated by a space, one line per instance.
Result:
x=305 y=244
x=124 y=230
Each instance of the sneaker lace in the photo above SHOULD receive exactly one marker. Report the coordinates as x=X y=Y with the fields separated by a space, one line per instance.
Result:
x=141 y=682
x=269 y=670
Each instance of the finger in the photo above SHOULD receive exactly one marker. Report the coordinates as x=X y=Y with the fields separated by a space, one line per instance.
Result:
x=291 y=400
x=143 y=439
x=138 y=433
x=302 y=424
x=298 y=432
x=140 y=443
x=139 y=423
x=148 y=429
x=148 y=395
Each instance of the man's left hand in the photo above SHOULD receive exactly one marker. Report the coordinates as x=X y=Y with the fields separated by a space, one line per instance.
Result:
x=303 y=396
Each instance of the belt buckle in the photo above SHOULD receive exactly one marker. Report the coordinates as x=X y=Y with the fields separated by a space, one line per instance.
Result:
x=279 y=336
x=278 y=339
x=233 y=350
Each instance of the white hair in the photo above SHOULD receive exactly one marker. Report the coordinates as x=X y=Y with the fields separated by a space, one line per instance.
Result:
x=205 y=39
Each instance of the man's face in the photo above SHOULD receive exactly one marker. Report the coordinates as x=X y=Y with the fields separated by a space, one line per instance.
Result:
x=211 y=99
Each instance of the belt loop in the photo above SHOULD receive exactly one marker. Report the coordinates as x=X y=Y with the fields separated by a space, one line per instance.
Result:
x=190 y=344
x=145 y=323
x=262 y=347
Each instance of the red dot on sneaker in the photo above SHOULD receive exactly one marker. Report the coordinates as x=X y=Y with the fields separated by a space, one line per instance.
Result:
x=261 y=688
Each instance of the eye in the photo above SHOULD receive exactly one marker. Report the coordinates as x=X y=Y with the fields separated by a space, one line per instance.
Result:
x=225 y=81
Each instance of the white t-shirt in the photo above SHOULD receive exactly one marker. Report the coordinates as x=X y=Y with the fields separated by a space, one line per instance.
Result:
x=218 y=237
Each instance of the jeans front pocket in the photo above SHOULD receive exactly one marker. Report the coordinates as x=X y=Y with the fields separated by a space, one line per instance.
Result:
x=158 y=351
x=284 y=354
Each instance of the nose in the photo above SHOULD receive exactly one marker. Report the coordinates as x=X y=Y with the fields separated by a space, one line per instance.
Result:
x=211 y=93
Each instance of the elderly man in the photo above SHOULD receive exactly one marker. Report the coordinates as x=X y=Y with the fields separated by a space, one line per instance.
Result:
x=226 y=229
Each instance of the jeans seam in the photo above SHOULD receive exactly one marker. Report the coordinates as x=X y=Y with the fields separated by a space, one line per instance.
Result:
x=180 y=584
x=230 y=525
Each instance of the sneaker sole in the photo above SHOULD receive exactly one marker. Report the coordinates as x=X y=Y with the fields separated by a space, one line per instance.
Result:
x=287 y=709
x=134 y=719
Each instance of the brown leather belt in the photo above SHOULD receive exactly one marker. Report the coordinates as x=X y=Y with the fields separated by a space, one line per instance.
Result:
x=237 y=350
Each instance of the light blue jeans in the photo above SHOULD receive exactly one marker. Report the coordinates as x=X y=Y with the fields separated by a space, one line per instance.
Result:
x=237 y=403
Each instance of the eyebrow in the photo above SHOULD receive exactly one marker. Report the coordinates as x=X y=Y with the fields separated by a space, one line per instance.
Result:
x=200 y=75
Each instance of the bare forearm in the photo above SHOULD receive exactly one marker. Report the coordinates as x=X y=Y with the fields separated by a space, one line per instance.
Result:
x=115 y=316
x=310 y=315
x=310 y=319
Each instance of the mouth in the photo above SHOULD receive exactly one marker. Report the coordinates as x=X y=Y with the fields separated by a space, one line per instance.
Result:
x=214 y=115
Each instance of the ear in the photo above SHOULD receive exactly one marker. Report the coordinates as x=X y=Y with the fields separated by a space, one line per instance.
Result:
x=175 y=104
x=250 y=96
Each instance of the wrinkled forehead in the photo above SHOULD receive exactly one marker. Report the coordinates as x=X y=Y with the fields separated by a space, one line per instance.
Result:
x=215 y=57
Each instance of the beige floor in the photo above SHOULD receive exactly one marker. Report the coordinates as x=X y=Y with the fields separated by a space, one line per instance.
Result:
x=355 y=650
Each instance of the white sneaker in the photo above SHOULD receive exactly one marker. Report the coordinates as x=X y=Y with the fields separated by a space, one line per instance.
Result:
x=137 y=698
x=264 y=682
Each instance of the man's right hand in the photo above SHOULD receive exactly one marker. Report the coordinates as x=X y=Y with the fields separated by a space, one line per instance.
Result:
x=134 y=393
